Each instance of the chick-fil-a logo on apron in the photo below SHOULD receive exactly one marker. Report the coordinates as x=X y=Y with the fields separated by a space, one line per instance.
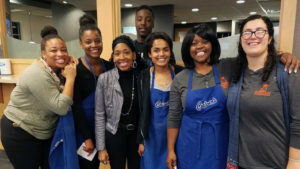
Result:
x=201 y=105
x=160 y=104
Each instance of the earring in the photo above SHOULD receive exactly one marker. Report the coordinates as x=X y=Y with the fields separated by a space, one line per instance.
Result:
x=134 y=64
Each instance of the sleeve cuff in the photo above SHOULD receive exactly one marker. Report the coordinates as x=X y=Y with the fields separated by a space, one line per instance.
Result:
x=295 y=141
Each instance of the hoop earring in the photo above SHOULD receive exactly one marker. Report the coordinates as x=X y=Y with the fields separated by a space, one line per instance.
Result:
x=134 y=64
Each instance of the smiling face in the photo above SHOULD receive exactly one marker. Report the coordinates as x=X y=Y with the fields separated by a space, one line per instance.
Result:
x=255 y=46
x=123 y=56
x=200 y=50
x=160 y=52
x=144 y=23
x=56 y=54
x=91 y=43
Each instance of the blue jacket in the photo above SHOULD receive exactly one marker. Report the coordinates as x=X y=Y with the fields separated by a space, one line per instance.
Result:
x=63 y=150
x=233 y=103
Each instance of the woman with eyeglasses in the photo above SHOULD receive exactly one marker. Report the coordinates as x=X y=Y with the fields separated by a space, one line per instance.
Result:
x=263 y=103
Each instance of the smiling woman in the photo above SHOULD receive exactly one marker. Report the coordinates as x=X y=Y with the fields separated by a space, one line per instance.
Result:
x=89 y=68
x=44 y=91
x=117 y=108
x=262 y=103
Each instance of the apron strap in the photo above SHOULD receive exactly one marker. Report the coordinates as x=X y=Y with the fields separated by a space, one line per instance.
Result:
x=216 y=75
x=190 y=80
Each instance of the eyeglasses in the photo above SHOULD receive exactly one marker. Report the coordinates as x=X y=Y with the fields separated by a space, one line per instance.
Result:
x=258 y=34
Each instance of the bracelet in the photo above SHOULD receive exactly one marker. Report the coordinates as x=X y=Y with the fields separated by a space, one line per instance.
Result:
x=294 y=160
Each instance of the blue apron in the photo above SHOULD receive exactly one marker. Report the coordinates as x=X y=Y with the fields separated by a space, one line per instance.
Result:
x=203 y=134
x=88 y=106
x=155 y=154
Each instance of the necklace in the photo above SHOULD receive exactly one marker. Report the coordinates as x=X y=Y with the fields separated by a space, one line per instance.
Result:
x=132 y=98
x=57 y=80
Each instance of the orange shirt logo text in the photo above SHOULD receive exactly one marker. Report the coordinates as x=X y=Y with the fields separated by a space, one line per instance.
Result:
x=224 y=82
x=263 y=91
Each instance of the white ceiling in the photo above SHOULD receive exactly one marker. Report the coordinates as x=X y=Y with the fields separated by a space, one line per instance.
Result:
x=222 y=9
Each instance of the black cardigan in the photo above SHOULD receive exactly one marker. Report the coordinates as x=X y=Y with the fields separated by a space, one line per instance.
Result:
x=144 y=98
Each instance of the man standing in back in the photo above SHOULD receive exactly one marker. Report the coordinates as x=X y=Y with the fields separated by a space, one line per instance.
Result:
x=144 y=23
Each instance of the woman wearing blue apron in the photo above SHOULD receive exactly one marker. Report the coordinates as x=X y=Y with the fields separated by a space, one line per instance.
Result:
x=155 y=101
x=89 y=68
x=198 y=119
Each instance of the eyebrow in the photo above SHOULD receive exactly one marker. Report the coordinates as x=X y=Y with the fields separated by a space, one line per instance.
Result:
x=255 y=29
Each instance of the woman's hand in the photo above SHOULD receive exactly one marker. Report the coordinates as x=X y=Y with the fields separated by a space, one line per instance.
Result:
x=103 y=157
x=171 y=160
x=89 y=146
x=69 y=71
x=73 y=59
x=141 y=150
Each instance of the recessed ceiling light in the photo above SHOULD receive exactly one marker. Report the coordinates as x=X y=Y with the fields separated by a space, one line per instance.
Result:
x=183 y=22
x=240 y=1
x=214 y=18
x=252 y=13
x=195 y=9
x=128 y=5
x=64 y=2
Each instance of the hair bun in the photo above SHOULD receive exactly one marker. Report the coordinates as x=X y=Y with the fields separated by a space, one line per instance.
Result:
x=48 y=30
x=86 y=20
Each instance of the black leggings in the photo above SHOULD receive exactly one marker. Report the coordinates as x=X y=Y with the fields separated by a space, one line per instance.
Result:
x=120 y=147
x=23 y=150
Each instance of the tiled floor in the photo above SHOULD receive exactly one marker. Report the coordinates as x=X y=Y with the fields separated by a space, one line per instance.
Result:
x=4 y=162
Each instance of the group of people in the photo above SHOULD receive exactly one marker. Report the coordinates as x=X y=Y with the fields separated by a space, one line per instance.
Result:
x=142 y=109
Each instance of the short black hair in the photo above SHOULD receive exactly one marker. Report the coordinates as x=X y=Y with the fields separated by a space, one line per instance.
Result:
x=123 y=39
x=146 y=7
x=152 y=37
x=204 y=31
x=87 y=22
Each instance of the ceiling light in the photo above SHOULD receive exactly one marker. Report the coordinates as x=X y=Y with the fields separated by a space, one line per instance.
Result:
x=214 y=18
x=64 y=2
x=240 y=1
x=252 y=13
x=48 y=16
x=128 y=5
x=195 y=9
x=183 y=22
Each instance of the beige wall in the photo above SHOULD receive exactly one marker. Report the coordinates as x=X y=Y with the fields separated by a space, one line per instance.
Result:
x=37 y=24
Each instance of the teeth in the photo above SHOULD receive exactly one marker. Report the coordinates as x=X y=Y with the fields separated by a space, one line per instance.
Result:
x=253 y=43
x=200 y=53
x=123 y=64
x=60 y=61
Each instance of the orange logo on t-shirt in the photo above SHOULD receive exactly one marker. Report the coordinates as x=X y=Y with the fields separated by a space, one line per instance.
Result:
x=263 y=91
x=224 y=82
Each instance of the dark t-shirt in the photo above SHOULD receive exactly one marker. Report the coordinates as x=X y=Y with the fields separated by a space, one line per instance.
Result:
x=263 y=140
